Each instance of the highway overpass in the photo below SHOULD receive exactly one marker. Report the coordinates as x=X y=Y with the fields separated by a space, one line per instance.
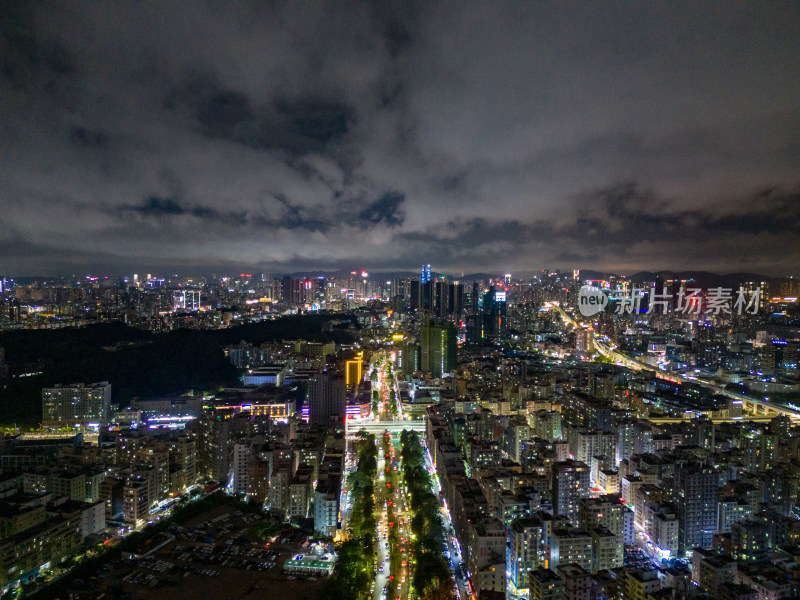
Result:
x=743 y=419
x=353 y=427
x=754 y=406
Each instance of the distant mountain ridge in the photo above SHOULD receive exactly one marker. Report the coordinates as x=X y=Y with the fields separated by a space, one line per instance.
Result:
x=389 y=275
x=344 y=274
x=703 y=279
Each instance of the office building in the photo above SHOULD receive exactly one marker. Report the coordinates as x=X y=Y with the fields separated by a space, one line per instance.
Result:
x=76 y=405
x=425 y=274
x=494 y=311
x=353 y=371
x=188 y=300
x=240 y=482
x=438 y=348
x=696 y=495
x=213 y=450
x=584 y=342
x=327 y=399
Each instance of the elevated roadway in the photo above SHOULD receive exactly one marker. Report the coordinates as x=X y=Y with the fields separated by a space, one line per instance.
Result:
x=754 y=406
x=743 y=419
x=353 y=427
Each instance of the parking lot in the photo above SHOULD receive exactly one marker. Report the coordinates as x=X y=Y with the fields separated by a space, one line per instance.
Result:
x=224 y=553
x=637 y=558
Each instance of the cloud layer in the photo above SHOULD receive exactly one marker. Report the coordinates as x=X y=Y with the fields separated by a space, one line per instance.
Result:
x=510 y=137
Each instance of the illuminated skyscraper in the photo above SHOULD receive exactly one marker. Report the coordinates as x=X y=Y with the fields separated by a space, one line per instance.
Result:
x=495 y=324
x=78 y=404
x=286 y=289
x=438 y=348
x=187 y=300
x=456 y=301
x=696 y=493
x=425 y=274
x=427 y=296
x=442 y=298
x=528 y=547
x=570 y=484
x=353 y=371
x=327 y=398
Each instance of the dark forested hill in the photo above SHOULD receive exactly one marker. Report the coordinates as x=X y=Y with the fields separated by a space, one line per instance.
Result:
x=135 y=362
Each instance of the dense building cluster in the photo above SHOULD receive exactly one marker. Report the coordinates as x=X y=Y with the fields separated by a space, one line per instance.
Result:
x=576 y=483
x=624 y=454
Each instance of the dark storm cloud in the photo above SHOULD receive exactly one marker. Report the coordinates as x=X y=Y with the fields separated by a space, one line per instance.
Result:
x=24 y=52
x=385 y=209
x=296 y=127
x=80 y=136
x=283 y=214
x=160 y=207
x=472 y=136
x=642 y=215
x=292 y=217
x=171 y=212
x=627 y=222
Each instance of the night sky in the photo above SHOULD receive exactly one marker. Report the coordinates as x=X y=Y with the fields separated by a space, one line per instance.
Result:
x=476 y=136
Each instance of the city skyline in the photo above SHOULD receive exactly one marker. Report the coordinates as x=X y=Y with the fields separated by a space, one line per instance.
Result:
x=324 y=137
x=145 y=278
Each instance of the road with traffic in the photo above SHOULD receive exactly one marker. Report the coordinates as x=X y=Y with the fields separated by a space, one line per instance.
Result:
x=608 y=350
